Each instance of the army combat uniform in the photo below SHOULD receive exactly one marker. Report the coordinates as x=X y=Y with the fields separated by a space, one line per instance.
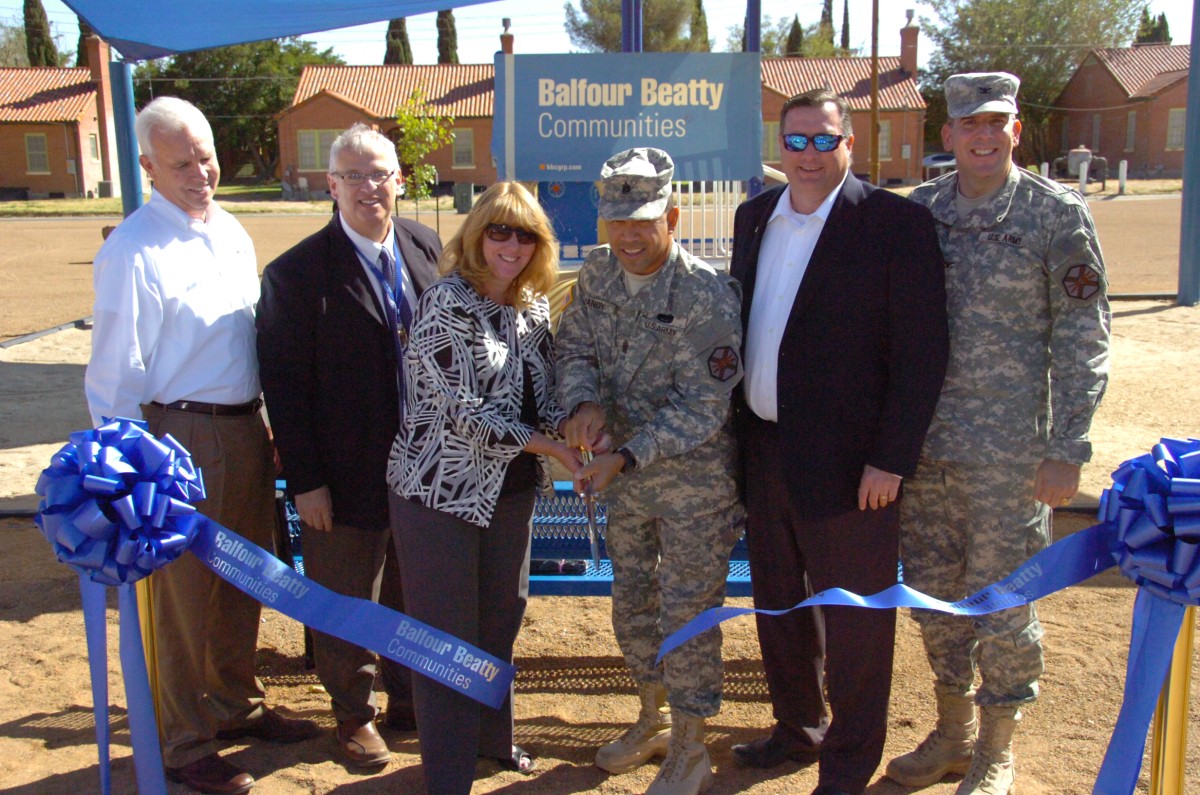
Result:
x=662 y=364
x=1029 y=335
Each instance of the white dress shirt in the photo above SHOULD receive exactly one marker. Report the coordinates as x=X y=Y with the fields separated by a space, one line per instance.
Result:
x=787 y=245
x=174 y=312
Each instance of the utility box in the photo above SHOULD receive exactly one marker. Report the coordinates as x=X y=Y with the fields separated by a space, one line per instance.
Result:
x=104 y=189
x=464 y=197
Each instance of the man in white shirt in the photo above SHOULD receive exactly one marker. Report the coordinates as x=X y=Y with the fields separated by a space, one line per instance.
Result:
x=173 y=343
x=845 y=314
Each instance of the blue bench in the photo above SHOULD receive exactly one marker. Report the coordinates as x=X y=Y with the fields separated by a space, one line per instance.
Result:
x=561 y=552
x=560 y=535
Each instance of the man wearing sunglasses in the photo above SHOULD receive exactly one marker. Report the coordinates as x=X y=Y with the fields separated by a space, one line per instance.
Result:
x=1028 y=366
x=331 y=328
x=846 y=343
x=648 y=354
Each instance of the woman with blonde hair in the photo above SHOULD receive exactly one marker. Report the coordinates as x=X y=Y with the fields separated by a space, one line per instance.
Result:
x=466 y=465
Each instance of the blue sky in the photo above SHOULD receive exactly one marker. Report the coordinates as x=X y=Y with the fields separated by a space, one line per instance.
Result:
x=538 y=26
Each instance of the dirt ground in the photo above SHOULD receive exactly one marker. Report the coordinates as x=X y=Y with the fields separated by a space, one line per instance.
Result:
x=572 y=692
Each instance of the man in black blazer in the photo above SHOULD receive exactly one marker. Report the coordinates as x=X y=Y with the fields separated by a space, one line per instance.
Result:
x=845 y=351
x=331 y=324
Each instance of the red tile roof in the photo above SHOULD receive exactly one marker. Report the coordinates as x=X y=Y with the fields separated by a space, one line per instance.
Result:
x=849 y=77
x=459 y=90
x=46 y=94
x=1144 y=70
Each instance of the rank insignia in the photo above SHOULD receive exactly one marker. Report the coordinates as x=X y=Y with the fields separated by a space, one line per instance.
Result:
x=723 y=363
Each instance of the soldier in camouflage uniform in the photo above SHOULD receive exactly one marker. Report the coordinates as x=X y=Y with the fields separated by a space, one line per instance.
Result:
x=1029 y=334
x=648 y=354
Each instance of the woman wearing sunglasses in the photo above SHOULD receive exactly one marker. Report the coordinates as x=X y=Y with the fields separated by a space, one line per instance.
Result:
x=468 y=460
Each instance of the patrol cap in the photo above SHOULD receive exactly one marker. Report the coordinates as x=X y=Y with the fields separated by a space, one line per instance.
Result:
x=635 y=185
x=981 y=92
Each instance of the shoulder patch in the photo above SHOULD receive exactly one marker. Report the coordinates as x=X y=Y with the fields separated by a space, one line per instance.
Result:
x=723 y=363
x=1081 y=282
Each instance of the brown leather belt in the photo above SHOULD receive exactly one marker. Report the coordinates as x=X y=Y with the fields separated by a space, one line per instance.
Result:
x=212 y=409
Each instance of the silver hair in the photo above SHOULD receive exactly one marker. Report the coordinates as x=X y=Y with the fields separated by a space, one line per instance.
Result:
x=361 y=138
x=168 y=115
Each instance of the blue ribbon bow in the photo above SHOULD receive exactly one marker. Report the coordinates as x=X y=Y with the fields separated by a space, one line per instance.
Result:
x=116 y=506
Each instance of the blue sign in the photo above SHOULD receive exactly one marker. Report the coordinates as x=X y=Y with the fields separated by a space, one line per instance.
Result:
x=571 y=207
x=559 y=117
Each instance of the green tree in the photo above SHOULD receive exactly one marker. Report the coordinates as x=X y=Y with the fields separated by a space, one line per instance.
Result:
x=85 y=30
x=666 y=26
x=846 y=25
x=241 y=89
x=1041 y=41
x=825 y=27
x=39 y=43
x=447 y=40
x=1152 y=30
x=12 y=46
x=420 y=130
x=699 y=29
x=795 y=38
x=399 y=50
x=775 y=33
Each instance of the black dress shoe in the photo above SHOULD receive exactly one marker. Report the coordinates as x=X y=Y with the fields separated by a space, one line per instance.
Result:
x=829 y=789
x=769 y=751
x=273 y=728
x=212 y=774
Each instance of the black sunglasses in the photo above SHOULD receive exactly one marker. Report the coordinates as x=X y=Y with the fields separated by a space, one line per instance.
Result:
x=500 y=233
x=822 y=142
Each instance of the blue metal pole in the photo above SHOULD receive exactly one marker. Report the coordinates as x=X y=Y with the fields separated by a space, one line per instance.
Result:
x=1189 y=229
x=121 y=75
x=631 y=25
x=754 y=44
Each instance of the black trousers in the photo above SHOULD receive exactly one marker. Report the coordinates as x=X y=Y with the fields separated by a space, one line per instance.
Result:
x=845 y=650
x=472 y=582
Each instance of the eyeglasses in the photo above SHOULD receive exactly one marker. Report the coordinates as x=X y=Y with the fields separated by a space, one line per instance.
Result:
x=358 y=177
x=501 y=233
x=822 y=142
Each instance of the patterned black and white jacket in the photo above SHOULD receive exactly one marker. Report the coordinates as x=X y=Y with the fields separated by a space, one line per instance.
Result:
x=465 y=381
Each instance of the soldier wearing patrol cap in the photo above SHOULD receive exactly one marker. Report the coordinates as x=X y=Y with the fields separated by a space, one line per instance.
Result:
x=1029 y=338
x=648 y=354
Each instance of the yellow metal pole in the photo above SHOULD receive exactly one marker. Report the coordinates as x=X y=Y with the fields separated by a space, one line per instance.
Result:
x=1169 y=741
x=146 y=619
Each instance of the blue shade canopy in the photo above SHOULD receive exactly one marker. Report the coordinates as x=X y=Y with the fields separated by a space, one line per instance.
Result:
x=144 y=29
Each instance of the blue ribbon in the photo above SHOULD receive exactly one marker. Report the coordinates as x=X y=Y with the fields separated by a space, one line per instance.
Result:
x=116 y=506
x=1149 y=527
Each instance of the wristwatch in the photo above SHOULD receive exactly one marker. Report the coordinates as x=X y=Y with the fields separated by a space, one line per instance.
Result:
x=630 y=461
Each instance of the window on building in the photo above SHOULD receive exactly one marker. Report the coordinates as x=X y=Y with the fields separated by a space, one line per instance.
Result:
x=1130 y=130
x=37 y=155
x=1175 y=117
x=1095 y=132
x=94 y=146
x=314 y=148
x=770 y=143
x=464 y=147
x=885 y=140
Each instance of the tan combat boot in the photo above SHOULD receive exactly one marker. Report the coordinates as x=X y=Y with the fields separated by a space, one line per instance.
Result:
x=647 y=738
x=947 y=749
x=991 y=771
x=687 y=769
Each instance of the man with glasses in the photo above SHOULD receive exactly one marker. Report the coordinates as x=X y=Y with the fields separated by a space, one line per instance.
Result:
x=332 y=325
x=648 y=354
x=846 y=339
x=1028 y=365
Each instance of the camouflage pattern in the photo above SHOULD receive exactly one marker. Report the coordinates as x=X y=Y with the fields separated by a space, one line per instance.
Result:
x=663 y=365
x=654 y=596
x=1025 y=290
x=965 y=526
x=635 y=185
x=981 y=92
x=1029 y=340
